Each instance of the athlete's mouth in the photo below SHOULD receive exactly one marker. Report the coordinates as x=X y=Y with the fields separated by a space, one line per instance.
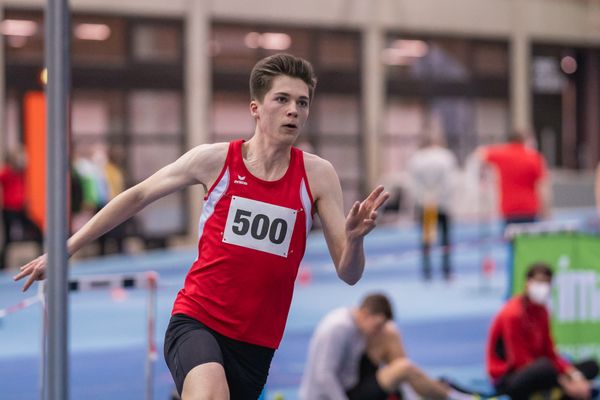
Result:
x=291 y=126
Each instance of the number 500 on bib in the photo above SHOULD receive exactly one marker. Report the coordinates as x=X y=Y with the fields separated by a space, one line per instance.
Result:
x=260 y=226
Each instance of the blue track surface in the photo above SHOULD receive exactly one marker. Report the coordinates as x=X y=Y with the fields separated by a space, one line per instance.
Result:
x=443 y=324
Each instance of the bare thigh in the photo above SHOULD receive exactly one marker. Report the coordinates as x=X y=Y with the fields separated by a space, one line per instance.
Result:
x=206 y=382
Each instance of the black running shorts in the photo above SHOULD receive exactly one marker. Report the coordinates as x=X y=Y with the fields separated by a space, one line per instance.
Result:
x=189 y=343
x=367 y=387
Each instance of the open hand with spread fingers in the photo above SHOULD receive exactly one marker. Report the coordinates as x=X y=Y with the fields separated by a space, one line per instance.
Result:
x=35 y=269
x=363 y=215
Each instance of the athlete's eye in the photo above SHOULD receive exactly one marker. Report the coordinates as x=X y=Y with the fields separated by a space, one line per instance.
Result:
x=303 y=103
x=281 y=99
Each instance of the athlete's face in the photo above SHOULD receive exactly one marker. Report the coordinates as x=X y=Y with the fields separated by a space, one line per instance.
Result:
x=370 y=324
x=284 y=109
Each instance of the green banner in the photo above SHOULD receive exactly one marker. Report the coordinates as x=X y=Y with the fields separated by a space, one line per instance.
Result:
x=575 y=305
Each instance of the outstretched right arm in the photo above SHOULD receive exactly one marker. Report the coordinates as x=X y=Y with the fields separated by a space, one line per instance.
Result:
x=199 y=165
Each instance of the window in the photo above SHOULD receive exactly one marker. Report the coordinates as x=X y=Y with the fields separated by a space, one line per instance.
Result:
x=155 y=113
x=156 y=42
x=231 y=116
x=491 y=120
x=12 y=129
x=490 y=60
x=98 y=41
x=337 y=114
x=338 y=51
x=24 y=36
x=404 y=122
x=97 y=113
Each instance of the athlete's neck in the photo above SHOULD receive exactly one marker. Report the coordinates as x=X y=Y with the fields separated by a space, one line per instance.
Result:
x=265 y=160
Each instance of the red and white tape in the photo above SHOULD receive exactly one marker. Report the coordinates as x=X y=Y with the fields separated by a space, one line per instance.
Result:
x=23 y=304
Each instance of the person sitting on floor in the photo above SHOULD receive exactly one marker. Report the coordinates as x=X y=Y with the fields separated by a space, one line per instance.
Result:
x=521 y=356
x=357 y=354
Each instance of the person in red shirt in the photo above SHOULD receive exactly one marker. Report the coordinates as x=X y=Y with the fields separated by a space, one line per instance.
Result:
x=522 y=178
x=521 y=356
x=261 y=197
x=14 y=213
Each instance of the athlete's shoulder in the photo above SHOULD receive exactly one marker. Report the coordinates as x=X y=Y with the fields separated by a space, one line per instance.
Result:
x=316 y=166
x=203 y=162
x=219 y=147
x=210 y=154
x=390 y=331
x=321 y=175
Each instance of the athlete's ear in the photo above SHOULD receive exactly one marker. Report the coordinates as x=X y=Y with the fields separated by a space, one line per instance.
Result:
x=254 y=108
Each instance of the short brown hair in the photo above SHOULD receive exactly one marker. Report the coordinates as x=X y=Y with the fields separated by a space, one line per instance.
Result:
x=377 y=303
x=261 y=77
x=539 y=268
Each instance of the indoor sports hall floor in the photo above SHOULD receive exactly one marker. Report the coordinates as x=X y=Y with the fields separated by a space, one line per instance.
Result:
x=443 y=324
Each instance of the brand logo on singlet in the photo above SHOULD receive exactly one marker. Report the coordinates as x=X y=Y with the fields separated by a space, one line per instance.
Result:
x=241 y=180
x=260 y=226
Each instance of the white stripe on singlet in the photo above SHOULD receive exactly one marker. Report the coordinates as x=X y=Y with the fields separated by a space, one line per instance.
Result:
x=212 y=200
x=306 y=204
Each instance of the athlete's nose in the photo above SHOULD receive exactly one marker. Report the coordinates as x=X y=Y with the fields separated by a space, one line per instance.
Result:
x=292 y=110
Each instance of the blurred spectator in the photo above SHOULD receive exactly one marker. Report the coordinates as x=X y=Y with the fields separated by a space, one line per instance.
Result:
x=89 y=164
x=432 y=170
x=357 y=354
x=115 y=182
x=15 y=222
x=521 y=356
x=89 y=167
x=76 y=190
x=113 y=171
x=524 y=191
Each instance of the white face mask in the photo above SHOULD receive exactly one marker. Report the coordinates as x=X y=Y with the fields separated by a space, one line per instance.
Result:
x=539 y=292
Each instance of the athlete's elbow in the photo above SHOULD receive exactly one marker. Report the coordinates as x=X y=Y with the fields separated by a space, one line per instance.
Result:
x=350 y=277
x=351 y=282
x=135 y=197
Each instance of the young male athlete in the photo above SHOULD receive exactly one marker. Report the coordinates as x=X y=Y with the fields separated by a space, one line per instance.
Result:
x=261 y=196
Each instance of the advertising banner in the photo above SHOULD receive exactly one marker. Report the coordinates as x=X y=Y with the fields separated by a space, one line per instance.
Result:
x=575 y=303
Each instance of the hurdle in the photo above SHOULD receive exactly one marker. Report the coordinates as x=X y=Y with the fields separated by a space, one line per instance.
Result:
x=143 y=280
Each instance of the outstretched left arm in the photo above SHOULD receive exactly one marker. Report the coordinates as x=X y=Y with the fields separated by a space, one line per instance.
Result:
x=344 y=236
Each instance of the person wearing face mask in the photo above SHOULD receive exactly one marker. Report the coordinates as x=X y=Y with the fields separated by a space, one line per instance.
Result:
x=521 y=356
x=357 y=354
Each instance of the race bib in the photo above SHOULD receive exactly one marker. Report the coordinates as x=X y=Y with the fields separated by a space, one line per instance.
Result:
x=259 y=226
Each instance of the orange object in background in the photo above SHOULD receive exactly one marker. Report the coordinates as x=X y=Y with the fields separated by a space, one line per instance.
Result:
x=430 y=223
x=34 y=127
